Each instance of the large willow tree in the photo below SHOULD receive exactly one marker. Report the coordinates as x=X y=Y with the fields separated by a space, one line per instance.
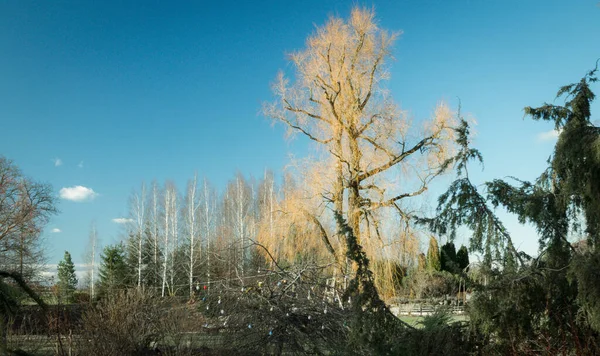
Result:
x=371 y=157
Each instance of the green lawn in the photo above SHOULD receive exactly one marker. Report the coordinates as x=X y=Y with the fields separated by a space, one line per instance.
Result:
x=414 y=320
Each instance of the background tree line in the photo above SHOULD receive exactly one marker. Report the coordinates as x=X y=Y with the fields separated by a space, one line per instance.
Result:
x=183 y=243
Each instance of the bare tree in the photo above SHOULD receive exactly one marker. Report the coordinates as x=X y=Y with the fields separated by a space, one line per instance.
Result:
x=174 y=212
x=339 y=101
x=168 y=197
x=154 y=229
x=209 y=202
x=25 y=207
x=91 y=260
x=191 y=212
x=170 y=240
x=137 y=211
x=237 y=212
x=266 y=208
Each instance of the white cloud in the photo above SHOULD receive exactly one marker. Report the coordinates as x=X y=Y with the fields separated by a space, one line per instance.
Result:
x=80 y=165
x=56 y=230
x=57 y=162
x=548 y=135
x=122 y=220
x=77 y=193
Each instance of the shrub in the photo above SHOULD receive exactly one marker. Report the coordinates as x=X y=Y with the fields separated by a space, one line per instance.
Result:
x=129 y=323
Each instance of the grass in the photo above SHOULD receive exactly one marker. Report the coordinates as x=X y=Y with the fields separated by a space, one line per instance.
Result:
x=415 y=320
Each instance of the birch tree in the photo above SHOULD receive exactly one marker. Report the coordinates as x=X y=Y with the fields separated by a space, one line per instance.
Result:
x=91 y=260
x=235 y=224
x=154 y=225
x=209 y=203
x=266 y=206
x=339 y=102
x=138 y=211
x=191 y=211
x=169 y=196
x=174 y=212
x=240 y=207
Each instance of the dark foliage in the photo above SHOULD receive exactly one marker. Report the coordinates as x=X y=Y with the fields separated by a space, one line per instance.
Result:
x=462 y=258
x=448 y=258
x=548 y=304
x=113 y=271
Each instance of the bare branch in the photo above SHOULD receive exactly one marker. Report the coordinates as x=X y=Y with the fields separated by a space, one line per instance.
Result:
x=423 y=143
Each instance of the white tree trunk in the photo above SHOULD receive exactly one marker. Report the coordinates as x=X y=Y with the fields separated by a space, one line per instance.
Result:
x=155 y=224
x=241 y=223
x=93 y=242
x=191 y=212
x=140 y=209
x=175 y=235
x=208 y=218
x=166 y=240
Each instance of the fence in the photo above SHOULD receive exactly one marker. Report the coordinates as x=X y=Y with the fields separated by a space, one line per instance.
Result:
x=420 y=307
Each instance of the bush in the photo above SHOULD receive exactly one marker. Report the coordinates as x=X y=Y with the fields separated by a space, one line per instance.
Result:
x=426 y=284
x=129 y=323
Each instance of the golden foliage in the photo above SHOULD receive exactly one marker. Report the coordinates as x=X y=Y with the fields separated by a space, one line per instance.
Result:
x=372 y=160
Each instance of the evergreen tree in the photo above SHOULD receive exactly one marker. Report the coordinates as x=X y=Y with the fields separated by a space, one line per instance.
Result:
x=462 y=258
x=462 y=205
x=113 y=270
x=150 y=270
x=448 y=258
x=433 y=255
x=67 y=280
x=556 y=294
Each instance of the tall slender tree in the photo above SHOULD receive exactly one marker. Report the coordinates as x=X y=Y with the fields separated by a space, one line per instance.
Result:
x=90 y=257
x=138 y=215
x=209 y=202
x=154 y=228
x=67 y=279
x=194 y=244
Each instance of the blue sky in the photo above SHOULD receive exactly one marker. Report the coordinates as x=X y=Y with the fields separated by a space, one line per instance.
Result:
x=125 y=92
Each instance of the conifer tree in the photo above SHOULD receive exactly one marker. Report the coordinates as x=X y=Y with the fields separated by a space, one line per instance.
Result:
x=67 y=280
x=448 y=258
x=113 y=270
x=556 y=294
x=463 y=205
x=462 y=258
